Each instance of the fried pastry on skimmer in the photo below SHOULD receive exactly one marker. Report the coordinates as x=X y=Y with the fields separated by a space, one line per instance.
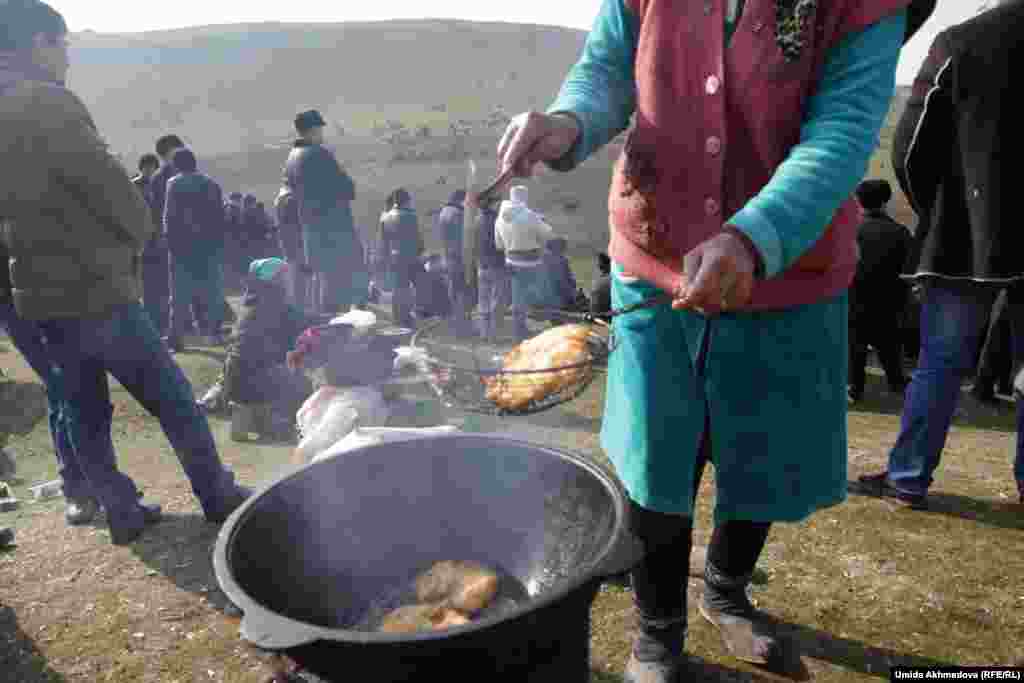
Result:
x=558 y=347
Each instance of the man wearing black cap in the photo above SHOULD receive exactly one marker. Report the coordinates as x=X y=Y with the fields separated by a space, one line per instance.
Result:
x=878 y=295
x=75 y=228
x=325 y=193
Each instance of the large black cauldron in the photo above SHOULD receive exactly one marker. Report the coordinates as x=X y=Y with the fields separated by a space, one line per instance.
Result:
x=304 y=558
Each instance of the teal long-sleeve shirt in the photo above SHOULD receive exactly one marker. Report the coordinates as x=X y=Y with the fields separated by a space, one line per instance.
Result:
x=837 y=138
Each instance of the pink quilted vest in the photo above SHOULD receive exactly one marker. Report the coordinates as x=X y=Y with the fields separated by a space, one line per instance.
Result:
x=712 y=126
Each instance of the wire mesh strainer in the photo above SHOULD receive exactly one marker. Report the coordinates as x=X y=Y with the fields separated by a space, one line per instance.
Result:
x=469 y=374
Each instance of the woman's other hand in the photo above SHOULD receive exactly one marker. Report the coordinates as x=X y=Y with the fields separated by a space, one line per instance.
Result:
x=718 y=275
x=533 y=138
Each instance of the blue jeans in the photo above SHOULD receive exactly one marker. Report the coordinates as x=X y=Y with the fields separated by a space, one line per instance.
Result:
x=28 y=340
x=197 y=276
x=952 y=329
x=126 y=345
x=527 y=291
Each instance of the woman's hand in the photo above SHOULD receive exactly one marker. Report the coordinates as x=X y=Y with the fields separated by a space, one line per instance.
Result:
x=718 y=275
x=533 y=138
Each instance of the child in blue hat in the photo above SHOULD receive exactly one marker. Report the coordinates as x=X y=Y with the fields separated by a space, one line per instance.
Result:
x=256 y=372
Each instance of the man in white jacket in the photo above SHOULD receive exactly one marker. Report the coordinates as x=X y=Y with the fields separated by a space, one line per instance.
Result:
x=522 y=234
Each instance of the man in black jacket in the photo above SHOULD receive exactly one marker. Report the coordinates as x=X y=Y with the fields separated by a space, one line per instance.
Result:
x=154 y=266
x=955 y=155
x=156 y=276
x=325 y=193
x=878 y=295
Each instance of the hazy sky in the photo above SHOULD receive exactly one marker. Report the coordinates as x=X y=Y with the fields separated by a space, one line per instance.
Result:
x=112 y=16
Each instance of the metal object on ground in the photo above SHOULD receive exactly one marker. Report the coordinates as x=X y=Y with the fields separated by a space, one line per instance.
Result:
x=348 y=529
x=463 y=371
x=50 y=489
x=8 y=466
x=8 y=504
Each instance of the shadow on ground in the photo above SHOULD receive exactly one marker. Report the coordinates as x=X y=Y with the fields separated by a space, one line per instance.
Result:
x=851 y=655
x=180 y=548
x=997 y=514
x=20 y=659
x=1008 y=515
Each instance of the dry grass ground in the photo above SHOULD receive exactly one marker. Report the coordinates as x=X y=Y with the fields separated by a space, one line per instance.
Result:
x=857 y=588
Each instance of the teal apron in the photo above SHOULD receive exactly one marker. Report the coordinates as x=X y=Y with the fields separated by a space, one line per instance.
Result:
x=774 y=384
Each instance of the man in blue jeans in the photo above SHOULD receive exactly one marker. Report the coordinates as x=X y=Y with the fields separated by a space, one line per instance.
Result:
x=75 y=228
x=957 y=144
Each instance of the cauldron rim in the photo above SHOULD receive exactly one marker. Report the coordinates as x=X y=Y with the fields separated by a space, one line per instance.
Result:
x=271 y=630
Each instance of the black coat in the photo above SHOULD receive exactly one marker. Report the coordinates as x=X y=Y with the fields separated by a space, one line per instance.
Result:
x=885 y=251
x=318 y=181
x=959 y=141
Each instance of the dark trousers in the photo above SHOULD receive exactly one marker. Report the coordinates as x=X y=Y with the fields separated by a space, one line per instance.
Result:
x=458 y=288
x=27 y=338
x=659 y=581
x=125 y=344
x=407 y=274
x=995 y=367
x=156 y=286
x=881 y=332
x=196 y=276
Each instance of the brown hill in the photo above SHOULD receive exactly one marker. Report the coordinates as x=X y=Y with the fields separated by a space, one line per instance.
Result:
x=392 y=91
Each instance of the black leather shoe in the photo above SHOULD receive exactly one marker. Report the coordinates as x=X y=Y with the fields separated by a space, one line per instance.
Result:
x=123 y=535
x=80 y=512
x=878 y=486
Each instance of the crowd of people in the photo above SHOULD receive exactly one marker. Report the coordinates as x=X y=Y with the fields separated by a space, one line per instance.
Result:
x=784 y=267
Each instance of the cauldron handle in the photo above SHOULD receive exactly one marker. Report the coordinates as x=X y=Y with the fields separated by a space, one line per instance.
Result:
x=627 y=552
x=271 y=632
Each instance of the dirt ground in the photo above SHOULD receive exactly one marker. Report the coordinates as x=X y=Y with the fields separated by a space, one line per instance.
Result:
x=856 y=589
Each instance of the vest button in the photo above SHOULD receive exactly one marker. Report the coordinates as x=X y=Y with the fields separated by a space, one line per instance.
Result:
x=758 y=27
x=975 y=193
x=713 y=146
x=711 y=207
x=712 y=85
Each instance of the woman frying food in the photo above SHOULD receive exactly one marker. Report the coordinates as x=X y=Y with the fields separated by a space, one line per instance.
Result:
x=753 y=122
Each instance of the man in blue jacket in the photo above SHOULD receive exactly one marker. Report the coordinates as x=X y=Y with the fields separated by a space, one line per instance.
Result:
x=193 y=225
x=155 y=265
